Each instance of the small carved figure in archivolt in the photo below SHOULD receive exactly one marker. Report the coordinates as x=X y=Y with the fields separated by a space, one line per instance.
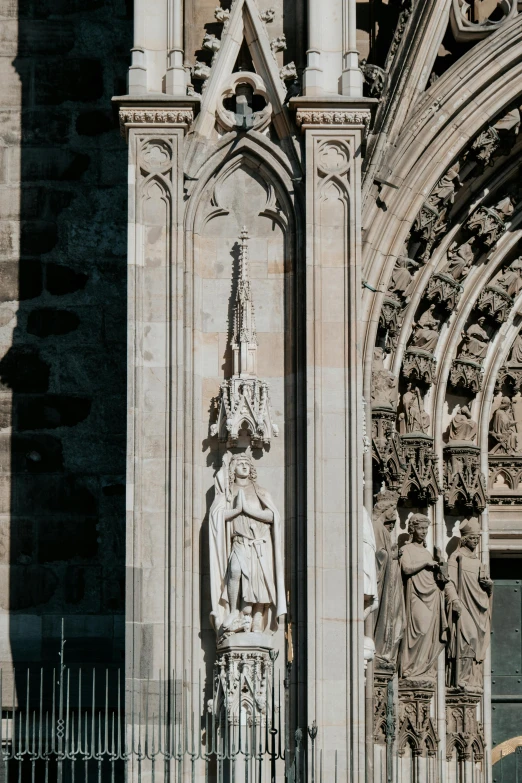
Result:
x=468 y=595
x=413 y=417
x=402 y=277
x=476 y=341
x=511 y=280
x=426 y=626
x=460 y=260
x=246 y=554
x=503 y=429
x=426 y=333
x=462 y=427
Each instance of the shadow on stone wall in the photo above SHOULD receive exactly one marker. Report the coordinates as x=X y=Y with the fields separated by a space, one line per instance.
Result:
x=63 y=334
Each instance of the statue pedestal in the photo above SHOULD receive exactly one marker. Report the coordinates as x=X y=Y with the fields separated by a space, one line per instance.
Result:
x=243 y=680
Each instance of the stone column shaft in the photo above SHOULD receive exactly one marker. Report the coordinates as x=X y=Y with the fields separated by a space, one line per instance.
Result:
x=335 y=434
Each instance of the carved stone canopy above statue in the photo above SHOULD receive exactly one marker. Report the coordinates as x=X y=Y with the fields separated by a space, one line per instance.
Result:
x=489 y=223
x=467 y=375
x=464 y=483
x=495 y=302
x=244 y=103
x=244 y=401
x=443 y=290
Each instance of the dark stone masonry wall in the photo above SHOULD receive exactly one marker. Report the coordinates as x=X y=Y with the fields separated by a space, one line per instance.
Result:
x=63 y=213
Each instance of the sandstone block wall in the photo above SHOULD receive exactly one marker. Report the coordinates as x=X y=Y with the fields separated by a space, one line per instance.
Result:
x=63 y=213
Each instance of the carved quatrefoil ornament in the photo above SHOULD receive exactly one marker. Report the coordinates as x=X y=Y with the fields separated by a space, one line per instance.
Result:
x=244 y=87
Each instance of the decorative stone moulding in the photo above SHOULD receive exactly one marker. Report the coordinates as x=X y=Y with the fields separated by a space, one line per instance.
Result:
x=201 y=70
x=416 y=727
x=495 y=302
x=258 y=120
x=428 y=225
x=306 y=118
x=419 y=365
x=465 y=374
x=464 y=484
x=244 y=400
x=464 y=733
x=222 y=15
x=243 y=685
x=268 y=15
x=374 y=77
x=505 y=479
x=444 y=290
x=420 y=478
x=130 y=118
x=465 y=28
x=288 y=72
x=384 y=709
x=386 y=447
x=278 y=44
x=509 y=375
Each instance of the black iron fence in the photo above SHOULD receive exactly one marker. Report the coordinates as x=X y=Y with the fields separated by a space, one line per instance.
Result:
x=72 y=726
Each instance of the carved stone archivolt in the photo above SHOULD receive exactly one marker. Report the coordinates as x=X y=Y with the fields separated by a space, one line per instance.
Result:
x=420 y=479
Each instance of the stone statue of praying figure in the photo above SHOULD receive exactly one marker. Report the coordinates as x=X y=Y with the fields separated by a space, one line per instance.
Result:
x=246 y=557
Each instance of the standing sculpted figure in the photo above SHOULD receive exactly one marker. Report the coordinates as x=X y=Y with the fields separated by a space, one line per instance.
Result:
x=389 y=620
x=503 y=429
x=246 y=558
x=468 y=594
x=413 y=418
x=426 y=626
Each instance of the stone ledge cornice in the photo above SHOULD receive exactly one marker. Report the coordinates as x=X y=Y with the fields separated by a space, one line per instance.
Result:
x=332 y=111
x=143 y=111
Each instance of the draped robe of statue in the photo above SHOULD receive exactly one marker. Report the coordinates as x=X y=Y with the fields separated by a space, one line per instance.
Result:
x=259 y=553
x=462 y=427
x=389 y=619
x=503 y=431
x=427 y=334
x=477 y=340
x=426 y=626
x=469 y=638
x=370 y=579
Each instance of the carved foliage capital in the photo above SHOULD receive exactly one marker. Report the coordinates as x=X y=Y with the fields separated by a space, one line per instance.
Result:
x=154 y=116
x=332 y=117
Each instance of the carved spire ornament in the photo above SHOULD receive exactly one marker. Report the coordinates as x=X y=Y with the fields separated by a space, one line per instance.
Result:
x=244 y=402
